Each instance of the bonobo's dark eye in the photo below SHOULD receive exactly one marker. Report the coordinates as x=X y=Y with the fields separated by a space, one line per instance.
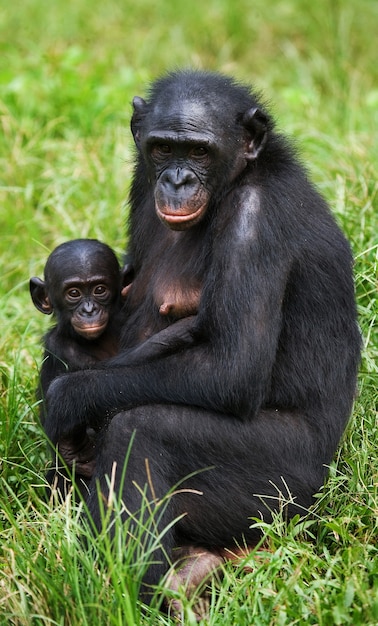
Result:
x=164 y=148
x=160 y=150
x=73 y=294
x=100 y=291
x=198 y=152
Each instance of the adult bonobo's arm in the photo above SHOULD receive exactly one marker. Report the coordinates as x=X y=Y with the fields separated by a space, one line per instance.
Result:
x=218 y=196
x=226 y=368
x=177 y=336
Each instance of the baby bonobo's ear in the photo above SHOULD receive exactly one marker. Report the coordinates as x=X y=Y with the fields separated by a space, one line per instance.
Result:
x=39 y=296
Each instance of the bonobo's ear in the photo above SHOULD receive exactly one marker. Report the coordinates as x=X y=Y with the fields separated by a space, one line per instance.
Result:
x=139 y=106
x=39 y=296
x=127 y=277
x=256 y=124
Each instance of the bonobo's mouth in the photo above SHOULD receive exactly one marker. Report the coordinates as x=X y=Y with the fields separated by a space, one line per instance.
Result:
x=90 y=332
x=180 y=219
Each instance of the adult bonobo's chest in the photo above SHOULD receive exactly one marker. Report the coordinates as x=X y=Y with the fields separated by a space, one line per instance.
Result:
x=167 y=286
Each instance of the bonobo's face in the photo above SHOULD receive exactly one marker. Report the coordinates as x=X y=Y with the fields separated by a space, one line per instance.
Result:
x=87 y=301
x=188 y=152
x=83 y=284
x=82 y=287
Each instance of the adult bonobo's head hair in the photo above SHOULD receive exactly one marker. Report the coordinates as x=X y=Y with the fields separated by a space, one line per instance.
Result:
x=196 y=133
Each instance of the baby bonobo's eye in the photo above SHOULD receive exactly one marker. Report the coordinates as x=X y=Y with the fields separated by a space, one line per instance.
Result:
x=73 y=294
x=100 y=291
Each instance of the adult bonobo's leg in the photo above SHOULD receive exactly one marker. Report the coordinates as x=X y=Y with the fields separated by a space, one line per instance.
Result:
x=240 y=472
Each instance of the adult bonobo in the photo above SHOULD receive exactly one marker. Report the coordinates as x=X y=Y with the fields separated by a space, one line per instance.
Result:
x=220 y=204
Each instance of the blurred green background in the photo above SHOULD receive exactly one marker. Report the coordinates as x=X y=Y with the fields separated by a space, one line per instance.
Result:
x=68 y=72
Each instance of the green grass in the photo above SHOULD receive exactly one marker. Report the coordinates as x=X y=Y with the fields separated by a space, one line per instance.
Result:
x=68 y=72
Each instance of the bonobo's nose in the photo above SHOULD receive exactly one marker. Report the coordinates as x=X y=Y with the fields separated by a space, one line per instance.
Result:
x=88 y=308
x=178 y=177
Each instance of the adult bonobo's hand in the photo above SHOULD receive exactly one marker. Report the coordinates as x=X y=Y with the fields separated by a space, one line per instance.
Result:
x=87 y=397
x=78 y=451
x=69 y=404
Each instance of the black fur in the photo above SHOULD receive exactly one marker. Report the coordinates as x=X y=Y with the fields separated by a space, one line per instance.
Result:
x=81 y=265
x=265 y=392
x=89 y=269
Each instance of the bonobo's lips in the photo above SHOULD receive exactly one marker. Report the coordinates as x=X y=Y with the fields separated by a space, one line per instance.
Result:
x=180 y=219
x=90 y=332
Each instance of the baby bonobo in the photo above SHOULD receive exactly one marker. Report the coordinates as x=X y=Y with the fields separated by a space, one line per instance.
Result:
x=84 y=288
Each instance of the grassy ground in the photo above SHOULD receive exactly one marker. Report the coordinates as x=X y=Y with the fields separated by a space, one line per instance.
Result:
x=68 y=71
